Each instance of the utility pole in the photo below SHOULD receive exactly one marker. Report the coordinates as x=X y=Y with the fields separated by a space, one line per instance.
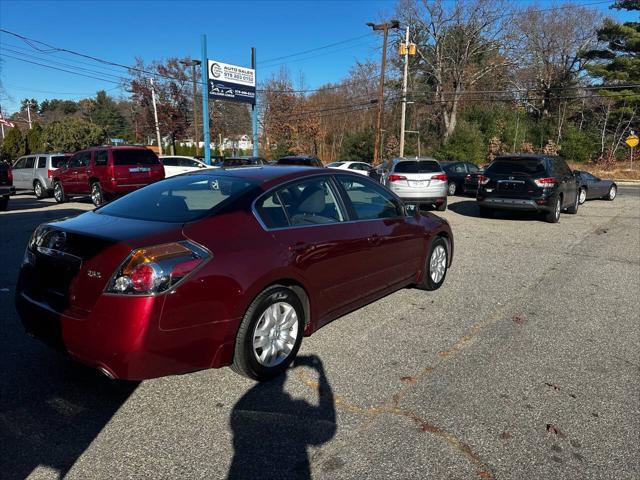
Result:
x=254 y=107
x=29 y=113
x=385 y=29
x=205 y=102
x=404 y=90
x=193 y=64
x=155 y=115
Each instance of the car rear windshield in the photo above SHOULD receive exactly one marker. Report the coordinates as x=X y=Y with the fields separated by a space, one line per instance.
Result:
x=335 y=164
x=179 y=199
x=58 y=160
x=417 y=166
x=134 y=157
x=517 y=166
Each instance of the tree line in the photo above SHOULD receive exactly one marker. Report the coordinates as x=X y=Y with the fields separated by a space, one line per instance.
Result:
x=488 y=77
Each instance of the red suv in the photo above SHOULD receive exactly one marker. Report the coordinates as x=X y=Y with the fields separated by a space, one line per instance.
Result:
x=106 y=172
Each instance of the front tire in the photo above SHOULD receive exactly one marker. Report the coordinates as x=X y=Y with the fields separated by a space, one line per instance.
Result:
x=435 y=269
x=582 y=195
x=554 y=215
x=58 y=193
x=613 y=191
x=270 y=334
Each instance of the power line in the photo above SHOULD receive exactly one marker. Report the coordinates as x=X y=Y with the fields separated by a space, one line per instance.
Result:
x=316 y=49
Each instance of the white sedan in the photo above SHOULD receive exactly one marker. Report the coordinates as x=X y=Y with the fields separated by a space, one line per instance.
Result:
x=357 y=167
x=175 y=165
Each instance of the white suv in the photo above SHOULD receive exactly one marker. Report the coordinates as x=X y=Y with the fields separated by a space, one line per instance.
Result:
x=35 y=172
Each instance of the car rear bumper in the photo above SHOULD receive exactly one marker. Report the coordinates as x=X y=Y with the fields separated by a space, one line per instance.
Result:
x=6 y=190
x=122 y=337
x=543 y=204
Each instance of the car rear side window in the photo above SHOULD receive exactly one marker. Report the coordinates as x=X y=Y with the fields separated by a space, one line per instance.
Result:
x=42 y=162
x=310 y=202
x=519 y=166
x=102 y=157
x=369 y=200
x=58 y=161
x=179 y=199
x=417 y=166
x=272 y=212
x=31 y=161
x=134 y=157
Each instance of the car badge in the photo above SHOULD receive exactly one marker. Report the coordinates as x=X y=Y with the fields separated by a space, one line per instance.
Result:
x=94 y=274
x=57 y=240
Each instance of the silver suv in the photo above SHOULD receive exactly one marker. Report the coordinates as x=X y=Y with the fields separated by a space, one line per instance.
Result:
x=35 y=172
x=419 y=181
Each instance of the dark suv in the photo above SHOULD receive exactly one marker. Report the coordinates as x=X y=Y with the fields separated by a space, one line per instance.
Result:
x=106 y=172
x=533 y=183
x=6 y=185
x=301 y=161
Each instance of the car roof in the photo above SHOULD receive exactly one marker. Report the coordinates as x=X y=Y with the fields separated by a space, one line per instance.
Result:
x=268 y=174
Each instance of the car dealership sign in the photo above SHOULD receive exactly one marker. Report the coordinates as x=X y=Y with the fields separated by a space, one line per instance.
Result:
x=231 y=82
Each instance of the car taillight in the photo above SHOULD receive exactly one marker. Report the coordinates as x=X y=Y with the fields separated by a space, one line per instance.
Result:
x=10 y=176
x=482 y=180
x=50 y=173
x=545 y=182
x=156 y=269
x=440 y=176
x=395 y=178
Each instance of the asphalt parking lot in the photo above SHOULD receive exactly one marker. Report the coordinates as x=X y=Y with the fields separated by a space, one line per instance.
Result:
x=525 y=364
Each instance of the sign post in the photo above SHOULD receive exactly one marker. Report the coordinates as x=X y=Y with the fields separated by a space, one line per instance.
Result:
x=632 y=142
x=205 y=104
x=254 y=107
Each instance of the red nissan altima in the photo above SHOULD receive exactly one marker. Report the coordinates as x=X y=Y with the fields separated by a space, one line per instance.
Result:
x=222 y=267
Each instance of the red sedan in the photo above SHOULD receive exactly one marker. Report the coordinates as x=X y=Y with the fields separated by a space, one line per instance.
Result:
x=222 y=267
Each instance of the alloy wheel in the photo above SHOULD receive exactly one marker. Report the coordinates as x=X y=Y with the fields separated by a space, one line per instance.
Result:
x=558 y=208
x=612 y=193
x=438 y=264
x=96 y=195
x=452 y=189
x=57 y=192
x=275 y=334
x=38 y=189
x=583 y=196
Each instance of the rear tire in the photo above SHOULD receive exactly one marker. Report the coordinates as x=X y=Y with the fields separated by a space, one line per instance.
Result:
x=436 y=265
x=255 y=331
x=97 y=197
x=443 y=206
x=451 y=189
x=58 y=193
x=39 y=191
x=4 y=203
x=554 y=215
x=573 y=209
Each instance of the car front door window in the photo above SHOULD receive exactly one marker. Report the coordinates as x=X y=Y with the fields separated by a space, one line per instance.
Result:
x=368 y=200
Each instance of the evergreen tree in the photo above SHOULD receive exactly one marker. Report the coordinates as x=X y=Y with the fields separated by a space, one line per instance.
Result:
x=34 y=139
x=104 y=113
x=13 y=145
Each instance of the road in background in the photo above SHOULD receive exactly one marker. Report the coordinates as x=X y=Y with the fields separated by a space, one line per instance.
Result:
x=525 y=364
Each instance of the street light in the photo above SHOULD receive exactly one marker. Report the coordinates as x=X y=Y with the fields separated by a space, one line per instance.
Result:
x=193 y=63
x=385 y=29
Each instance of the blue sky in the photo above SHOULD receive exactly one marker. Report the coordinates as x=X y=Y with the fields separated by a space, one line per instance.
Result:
x=119 y=31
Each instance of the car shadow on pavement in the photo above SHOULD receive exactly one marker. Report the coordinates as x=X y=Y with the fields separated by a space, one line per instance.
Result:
x=272 y=430
x=469 y=208
x=51 y=408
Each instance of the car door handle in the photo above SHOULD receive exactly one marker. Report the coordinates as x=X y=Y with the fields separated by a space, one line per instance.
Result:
x=374 y=240
x=299 y=247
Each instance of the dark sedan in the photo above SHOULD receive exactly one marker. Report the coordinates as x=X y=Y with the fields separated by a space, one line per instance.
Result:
x=462 y=176
x=222 y=267
x=593 y=187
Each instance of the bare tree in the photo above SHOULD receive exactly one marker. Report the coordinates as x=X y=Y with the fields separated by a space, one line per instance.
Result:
x=458 y=45
x=546 y=56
